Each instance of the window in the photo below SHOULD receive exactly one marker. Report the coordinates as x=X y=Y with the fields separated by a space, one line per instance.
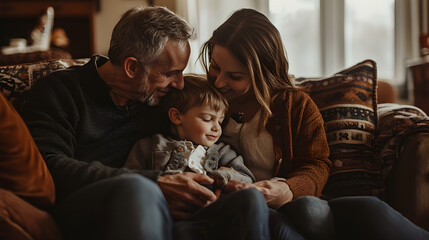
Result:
x=322 y=37
x=325 y=36
x=299 y=24
x=370 y=34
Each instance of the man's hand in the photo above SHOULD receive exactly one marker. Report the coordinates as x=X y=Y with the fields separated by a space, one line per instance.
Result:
x=185 y=194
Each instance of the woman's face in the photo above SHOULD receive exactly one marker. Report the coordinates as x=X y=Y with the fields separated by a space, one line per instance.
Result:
x=230 y=77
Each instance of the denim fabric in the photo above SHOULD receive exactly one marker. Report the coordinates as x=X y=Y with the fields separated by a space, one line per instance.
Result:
x=370 y=218
x=312 y=217
x=241 y=215
x=281 y=227
x=359 y=217
x=125 y=207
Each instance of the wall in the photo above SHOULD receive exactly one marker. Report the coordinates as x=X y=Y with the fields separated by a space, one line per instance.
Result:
x=194 y=11
x=110 y=13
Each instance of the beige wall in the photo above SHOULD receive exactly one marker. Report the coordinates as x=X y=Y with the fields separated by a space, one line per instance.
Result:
x=108 y=16
x=208 y=15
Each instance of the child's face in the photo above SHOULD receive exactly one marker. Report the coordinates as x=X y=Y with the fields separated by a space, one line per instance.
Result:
x=201 y=125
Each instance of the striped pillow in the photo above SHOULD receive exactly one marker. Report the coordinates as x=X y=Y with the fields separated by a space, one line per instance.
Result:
x=348 y=104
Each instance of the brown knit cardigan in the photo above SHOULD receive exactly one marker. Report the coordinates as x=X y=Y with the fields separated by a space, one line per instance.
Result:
x=302 y=152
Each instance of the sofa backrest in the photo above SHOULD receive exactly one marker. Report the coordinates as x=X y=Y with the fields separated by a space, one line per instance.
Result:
x=16 y=80
x=347 y=101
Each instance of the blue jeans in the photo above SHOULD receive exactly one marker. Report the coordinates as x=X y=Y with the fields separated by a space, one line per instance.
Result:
x=370 y=218
x=311 y=216
x=282 y=228
x=360 y=217
x=240 y=215
x=133 y=207
x=124 y=207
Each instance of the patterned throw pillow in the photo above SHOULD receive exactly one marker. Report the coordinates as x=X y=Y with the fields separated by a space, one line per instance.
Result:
x=348 y=104
x=15 y=80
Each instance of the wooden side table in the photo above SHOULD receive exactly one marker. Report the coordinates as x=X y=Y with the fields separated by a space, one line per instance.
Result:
x=418 y=76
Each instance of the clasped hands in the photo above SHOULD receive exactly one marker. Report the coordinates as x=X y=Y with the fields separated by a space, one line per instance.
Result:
x=185 y=193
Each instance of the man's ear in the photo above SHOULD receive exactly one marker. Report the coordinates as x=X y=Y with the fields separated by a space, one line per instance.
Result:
x=131 y=67
x=174 y=116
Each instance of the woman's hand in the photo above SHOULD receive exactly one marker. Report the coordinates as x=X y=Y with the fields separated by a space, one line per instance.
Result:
x=233 y=186
x=277 y=193
x=185 y=194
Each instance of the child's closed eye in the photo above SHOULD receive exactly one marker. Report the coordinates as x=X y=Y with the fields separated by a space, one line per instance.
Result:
x=206 y=119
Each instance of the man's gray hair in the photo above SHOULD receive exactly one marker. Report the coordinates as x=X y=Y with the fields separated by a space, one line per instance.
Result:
x=143 y=32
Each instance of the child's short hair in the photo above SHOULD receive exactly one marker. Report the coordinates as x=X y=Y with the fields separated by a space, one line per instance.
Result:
x=197 y=91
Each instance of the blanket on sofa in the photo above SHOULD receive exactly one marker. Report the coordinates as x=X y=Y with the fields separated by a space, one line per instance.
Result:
x=395 y=124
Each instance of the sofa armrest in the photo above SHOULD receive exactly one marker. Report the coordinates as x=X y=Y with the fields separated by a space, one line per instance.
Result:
x=396 y=123
x=403 y=151
x=407 y=185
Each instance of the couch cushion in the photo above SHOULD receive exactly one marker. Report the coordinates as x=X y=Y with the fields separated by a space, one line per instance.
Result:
x=22 y=169
x=15 y=80
x=347 y=102
x=21 y=220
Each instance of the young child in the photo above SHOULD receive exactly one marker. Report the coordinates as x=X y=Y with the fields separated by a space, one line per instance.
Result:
x=196 y=114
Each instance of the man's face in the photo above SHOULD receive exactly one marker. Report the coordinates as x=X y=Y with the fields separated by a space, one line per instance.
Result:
x=165 y=72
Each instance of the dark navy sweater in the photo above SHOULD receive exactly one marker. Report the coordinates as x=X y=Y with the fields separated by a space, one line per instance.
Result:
x=83 y=136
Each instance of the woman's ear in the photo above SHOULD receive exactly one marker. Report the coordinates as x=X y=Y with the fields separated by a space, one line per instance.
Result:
x=174 y=116
x=131 y=67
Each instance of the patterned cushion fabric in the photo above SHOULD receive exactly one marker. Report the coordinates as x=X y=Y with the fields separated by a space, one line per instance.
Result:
x=348 y=104
x=15 y=80
x=397 y=122
x=31 y=57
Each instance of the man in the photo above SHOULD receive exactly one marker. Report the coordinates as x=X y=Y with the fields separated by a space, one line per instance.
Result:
x=85 y=120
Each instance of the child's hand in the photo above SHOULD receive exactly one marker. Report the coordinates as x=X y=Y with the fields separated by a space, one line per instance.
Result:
x=217 y=182
x=227 y=169
x=234 y=186
x=218 y=192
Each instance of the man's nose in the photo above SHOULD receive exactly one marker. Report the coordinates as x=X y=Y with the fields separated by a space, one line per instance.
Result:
x=178 y=83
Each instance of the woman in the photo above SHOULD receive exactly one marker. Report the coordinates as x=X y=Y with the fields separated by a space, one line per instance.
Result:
x=279 y=131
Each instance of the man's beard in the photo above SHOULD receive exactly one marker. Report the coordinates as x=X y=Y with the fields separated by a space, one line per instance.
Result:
x=152 y=99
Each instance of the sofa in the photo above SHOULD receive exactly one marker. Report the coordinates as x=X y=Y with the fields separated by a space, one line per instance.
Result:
x=376 y=149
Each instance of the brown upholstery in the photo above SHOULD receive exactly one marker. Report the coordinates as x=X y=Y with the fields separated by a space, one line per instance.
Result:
x=22 y=169
x=20 y=220
x=386 y=93
x=412 y=169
